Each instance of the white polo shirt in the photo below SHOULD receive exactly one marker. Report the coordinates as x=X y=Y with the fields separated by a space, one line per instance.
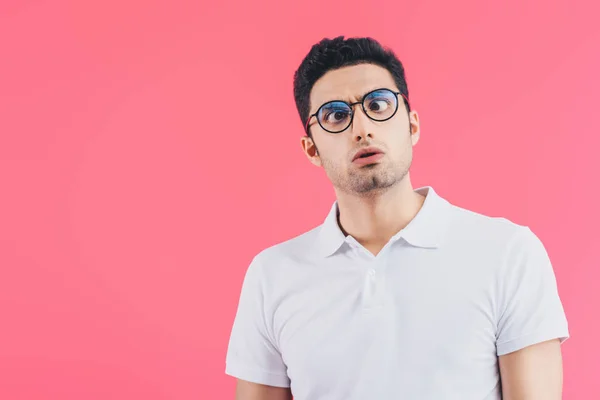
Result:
x=425 y=319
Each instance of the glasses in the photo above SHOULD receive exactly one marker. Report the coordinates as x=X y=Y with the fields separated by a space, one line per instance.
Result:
x=336 y=116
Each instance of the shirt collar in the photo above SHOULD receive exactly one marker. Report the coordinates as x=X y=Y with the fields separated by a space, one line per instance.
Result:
x=425 y=230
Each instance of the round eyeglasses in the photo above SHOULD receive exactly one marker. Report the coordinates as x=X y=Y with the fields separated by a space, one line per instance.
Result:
x=336 y=116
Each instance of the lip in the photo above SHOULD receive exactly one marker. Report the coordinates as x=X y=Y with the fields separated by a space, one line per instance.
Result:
x=377 y=154
x=368 y=160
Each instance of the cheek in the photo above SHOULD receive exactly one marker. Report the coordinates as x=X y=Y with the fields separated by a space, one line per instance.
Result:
x=334 y=151
x=400 y=144
x=336 y=159
x=402 y=131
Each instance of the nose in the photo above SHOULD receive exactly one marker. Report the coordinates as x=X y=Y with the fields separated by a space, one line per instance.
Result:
x=362 y=126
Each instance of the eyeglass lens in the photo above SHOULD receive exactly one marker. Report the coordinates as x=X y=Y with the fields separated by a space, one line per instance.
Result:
x=379 y=105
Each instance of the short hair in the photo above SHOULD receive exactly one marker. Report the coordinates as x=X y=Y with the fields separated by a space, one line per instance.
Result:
x=331 y=54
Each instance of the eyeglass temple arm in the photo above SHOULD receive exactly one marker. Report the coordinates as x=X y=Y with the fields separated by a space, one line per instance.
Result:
x=307 y=121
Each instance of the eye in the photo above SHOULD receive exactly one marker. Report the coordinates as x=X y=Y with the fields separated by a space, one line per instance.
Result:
x=334 y=113
x=335 y=116
x=379 y=105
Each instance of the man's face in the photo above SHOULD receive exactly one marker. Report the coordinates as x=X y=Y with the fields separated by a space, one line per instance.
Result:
x=394 y=137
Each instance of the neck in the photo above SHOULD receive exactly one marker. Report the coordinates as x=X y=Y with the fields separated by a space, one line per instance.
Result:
x=373 y=220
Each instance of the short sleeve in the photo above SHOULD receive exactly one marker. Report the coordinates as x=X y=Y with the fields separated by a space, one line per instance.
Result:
x=529 y=307
x=252 y=354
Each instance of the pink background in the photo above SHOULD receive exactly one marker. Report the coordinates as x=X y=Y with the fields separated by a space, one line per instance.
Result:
x=149 y=149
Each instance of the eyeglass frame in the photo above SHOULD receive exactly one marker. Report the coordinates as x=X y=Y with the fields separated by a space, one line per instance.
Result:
x=351 y=106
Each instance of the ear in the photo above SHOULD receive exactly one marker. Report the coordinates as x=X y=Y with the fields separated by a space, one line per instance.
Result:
x=415 y=128
x=310 y=150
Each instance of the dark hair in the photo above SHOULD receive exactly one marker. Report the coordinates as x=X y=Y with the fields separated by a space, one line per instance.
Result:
x=331 y=54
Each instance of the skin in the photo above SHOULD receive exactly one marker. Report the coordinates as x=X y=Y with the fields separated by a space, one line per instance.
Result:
x=378 y=200
x=533 y=373
x=253 y=391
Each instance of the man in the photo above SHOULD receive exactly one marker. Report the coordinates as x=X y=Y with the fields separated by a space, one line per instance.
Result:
x=399 y=294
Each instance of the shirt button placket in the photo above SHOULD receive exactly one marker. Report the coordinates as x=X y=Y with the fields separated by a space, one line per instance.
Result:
x=373 y=285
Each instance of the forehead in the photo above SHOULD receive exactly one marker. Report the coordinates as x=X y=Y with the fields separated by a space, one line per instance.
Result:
x=350 y=83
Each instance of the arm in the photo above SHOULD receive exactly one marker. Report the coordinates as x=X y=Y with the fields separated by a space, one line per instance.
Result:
x=532 y=323
x=532 y=373
x=253 y=357
x=253 y=391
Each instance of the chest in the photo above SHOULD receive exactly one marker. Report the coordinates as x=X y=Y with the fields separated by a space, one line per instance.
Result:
x=387 y=323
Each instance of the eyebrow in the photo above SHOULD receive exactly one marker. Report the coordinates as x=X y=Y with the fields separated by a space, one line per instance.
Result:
x=348 y=101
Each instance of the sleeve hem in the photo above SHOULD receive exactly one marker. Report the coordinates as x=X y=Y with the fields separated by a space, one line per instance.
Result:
x=531 y=339
x=256 y=375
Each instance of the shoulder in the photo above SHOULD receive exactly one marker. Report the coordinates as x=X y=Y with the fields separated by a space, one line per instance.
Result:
x=477 y=229
x=278 y=258
x=490 y=240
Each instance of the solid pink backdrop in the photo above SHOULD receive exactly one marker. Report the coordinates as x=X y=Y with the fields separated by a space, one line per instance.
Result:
x=148 y=150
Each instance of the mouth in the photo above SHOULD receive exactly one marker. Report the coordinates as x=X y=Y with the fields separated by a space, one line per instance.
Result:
x=367 y=156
